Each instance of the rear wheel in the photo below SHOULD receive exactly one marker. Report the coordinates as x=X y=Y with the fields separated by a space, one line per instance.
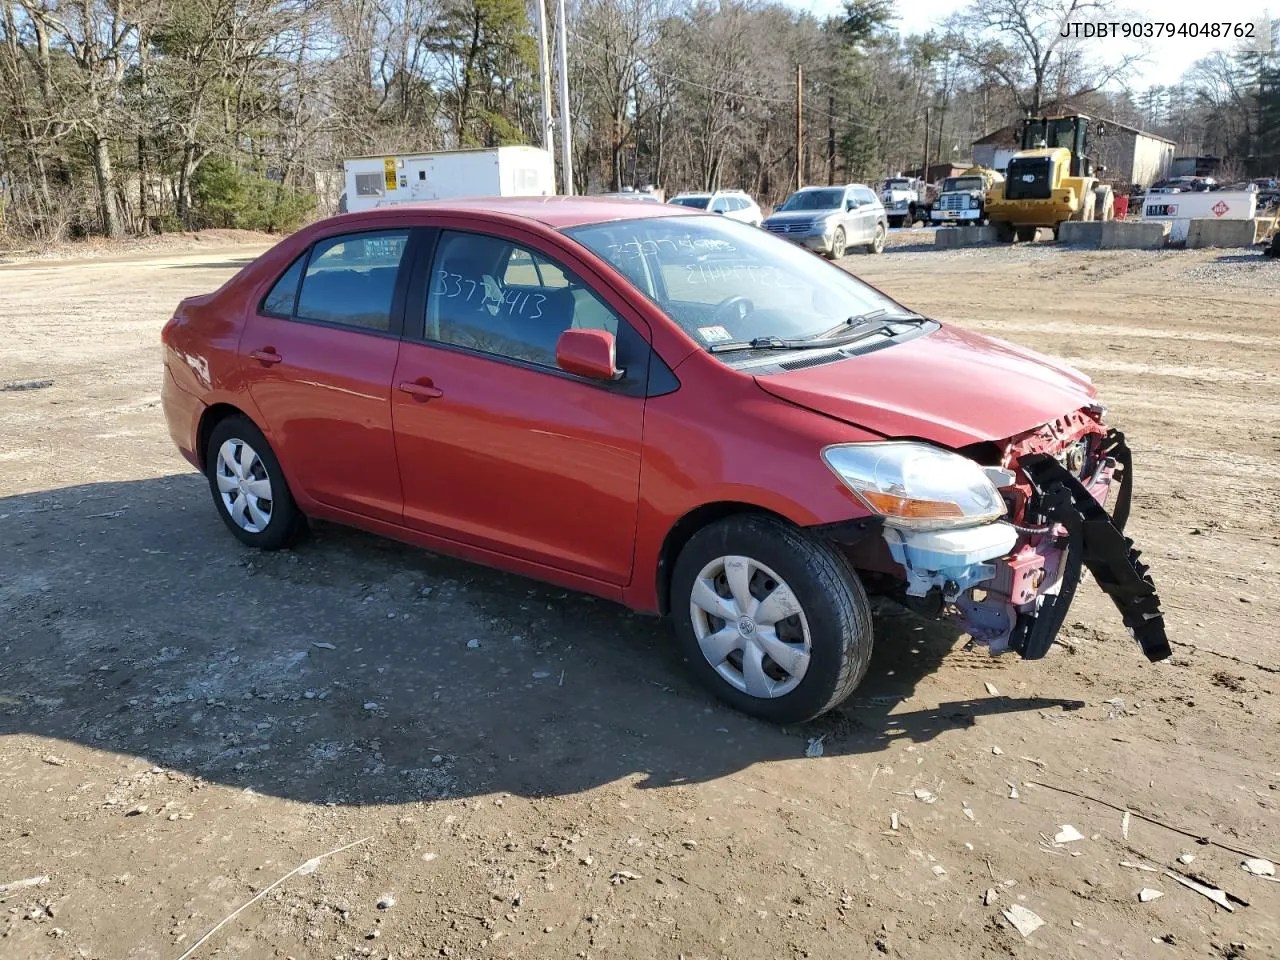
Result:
x=877 y=242
x=1004 y=231
x=771 y=619
x=1026 y=234
x=248 y=486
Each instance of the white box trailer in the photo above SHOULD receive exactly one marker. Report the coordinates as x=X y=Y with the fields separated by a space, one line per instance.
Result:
x=1179 y=209
x=448 y=174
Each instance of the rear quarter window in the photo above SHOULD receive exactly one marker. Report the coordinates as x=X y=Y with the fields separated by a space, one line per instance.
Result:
x=283 y=298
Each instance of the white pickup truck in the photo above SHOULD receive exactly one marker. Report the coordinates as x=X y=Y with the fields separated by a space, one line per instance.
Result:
x=905 y=200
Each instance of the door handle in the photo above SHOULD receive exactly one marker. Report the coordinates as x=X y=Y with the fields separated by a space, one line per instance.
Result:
x=267 y=356
x=421 y=391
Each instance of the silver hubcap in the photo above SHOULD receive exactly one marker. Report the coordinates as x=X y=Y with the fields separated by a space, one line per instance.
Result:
x=750 y=627
x=244 y=486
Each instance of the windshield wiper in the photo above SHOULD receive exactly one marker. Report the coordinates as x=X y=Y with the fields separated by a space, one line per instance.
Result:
x=864 y=324
x=855 y=328
x=767 y=343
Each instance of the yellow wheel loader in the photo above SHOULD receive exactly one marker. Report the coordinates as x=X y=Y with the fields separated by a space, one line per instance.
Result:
x=1050 y=180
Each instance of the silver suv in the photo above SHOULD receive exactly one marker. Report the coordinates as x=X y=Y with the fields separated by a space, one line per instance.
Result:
x=829 y=220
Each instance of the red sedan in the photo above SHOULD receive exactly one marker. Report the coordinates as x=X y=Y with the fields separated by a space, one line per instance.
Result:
x=672 y=410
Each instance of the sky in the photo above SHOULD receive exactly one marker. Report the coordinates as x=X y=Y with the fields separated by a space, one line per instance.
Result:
x=1168 y=57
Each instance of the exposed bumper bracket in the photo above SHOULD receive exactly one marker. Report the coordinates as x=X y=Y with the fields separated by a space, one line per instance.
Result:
x=1097 y=541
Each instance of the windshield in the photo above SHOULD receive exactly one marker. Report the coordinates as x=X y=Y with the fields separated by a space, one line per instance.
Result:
x=814 y=200
x=724 y=281
x=698 y=203
x=897 y=184
x=961 y=183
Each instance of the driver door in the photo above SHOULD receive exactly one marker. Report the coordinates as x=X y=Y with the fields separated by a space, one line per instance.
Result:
x=499 y=449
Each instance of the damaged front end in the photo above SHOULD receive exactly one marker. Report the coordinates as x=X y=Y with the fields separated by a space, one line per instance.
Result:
x=1012 y=581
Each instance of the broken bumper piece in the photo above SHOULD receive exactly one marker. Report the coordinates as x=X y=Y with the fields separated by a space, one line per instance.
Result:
x=1096 y=541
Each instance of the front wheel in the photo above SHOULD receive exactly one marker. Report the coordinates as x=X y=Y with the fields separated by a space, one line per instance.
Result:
x=248 y=486
x=771 y=619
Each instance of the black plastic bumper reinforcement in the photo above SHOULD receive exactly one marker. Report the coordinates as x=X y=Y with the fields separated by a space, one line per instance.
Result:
x=1096 y=541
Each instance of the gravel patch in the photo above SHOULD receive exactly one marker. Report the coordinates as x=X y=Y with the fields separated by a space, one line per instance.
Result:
x=1244 y=267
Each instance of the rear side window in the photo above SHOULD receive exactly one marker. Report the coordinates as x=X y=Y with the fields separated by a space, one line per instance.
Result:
x=284 y=295
x=351 y=279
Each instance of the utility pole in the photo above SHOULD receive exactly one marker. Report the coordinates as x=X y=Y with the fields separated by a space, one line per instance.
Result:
x=928 y=119
x=831 y=139
x=562 y=69
x=544 y=76
x=799 y=125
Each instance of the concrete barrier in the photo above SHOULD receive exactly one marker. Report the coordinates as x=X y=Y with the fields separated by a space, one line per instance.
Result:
x=1114 y=235
x=1152 y=235
x=1075 y=233
x=1221 y=233
x=951 y=237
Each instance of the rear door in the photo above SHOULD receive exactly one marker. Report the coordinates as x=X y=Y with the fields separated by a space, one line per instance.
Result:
x=499 y=448
x=318 y=355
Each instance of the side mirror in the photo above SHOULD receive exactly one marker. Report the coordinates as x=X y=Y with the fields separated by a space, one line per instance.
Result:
x=850 y=204
x=588 y=353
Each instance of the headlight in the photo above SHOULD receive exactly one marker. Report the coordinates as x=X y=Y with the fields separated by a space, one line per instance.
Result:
x=916 y=486
x=974 y=203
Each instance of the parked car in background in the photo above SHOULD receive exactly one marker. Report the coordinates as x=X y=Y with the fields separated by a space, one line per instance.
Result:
x=665 y=409
x=830 y=220
x=906 y=200
x=1268 y=192
x=734 y=204
x=632 y=195
x=1184 y=185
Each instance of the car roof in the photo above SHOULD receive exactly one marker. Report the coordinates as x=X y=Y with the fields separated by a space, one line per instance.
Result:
x=556 y=212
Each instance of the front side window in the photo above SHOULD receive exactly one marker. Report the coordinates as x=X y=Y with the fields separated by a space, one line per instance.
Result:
x=351 y=279
x=723 y=281
x=491 y=295
x=864 y=197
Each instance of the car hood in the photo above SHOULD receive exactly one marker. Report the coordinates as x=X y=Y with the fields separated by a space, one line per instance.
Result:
x=950 y=387
x=792 y=216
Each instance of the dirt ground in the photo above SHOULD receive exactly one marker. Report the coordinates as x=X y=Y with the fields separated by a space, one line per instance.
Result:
x=183 y=722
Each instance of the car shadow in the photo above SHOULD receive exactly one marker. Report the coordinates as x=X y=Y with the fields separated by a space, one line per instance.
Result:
x=355 y=670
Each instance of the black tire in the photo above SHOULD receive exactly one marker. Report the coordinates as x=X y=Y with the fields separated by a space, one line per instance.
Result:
x=831 y=596
x=838 y=244
x=897 y=222
x=286 y=524
x=1026 y=234
x=1004 y=231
